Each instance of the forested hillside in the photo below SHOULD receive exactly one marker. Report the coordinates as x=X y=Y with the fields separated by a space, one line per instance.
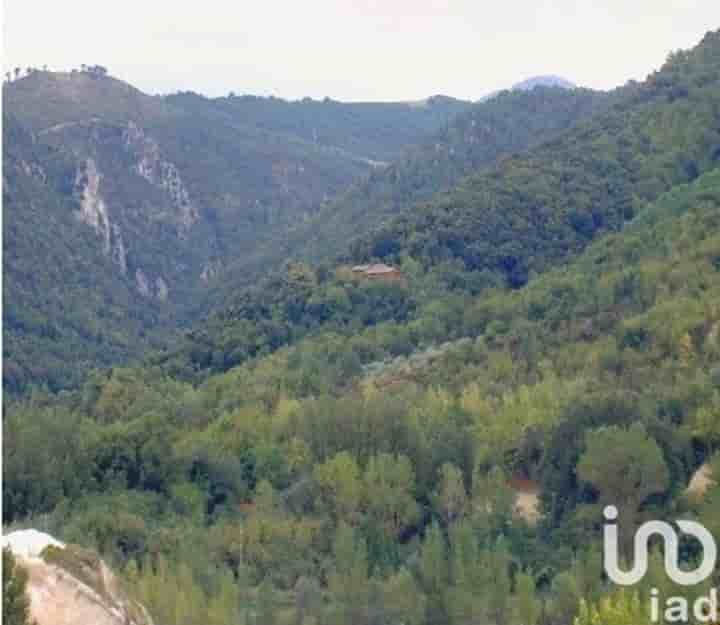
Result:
x=185 y=193
x=496 y=228
x=120 y=207
x=374 y=131
x=63 y=299
x=341 y=481
x=498 y=126
x=436 y=446
x=507 y=124
x=530 y=211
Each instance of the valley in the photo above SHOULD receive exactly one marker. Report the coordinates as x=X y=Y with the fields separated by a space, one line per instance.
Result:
x=167 y=192
x=311 y=362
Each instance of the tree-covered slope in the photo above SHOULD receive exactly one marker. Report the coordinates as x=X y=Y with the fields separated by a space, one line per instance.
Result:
x=474 y=139
x=507 y=124
x=367 y=478
x=532 y=210
x=162 y=192
x=439 y=449
x=513 y=219
x=376 y=131
x=65 y=306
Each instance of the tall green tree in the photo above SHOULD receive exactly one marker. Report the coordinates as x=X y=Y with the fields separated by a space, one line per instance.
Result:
x=341 y=486
x=390 y=493
x=452 y=497
x=626 y=466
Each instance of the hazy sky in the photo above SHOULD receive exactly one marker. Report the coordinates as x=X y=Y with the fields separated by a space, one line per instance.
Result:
x=354 y=50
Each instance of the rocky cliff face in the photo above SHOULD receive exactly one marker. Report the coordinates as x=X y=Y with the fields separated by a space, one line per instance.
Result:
x=119 y=207
x=93 y=211
x=122 y=210
x=160 y=172
x=68 y=585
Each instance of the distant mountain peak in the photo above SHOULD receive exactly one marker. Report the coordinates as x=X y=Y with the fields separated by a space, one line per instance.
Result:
x=549 y=80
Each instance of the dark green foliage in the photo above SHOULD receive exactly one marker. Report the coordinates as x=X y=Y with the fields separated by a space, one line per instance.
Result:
x=530 y=211
x=283 y=309
x=514 y=219
x=188 y=185
x=509 y=123
x=284 y=472
x=54 y=312
x=499 y=127
x=15 y=602
x=379 y=131
x=268 y=162
x=352 y=453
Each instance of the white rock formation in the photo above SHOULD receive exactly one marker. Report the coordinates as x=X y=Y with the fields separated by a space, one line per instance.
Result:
x=93 y=210
x=151 y=165
x=71 y=586
x=29 y=543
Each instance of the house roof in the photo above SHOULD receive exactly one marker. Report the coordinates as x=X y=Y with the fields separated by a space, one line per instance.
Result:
x=379 y=269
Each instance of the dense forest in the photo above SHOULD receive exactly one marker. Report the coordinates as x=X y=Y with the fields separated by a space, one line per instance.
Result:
x=531 y=210
x=505 y=124
x=437 y=449
x=500 y=226
x=54 y=308
x=121 y=208
x=167 y=208
x=312 y=485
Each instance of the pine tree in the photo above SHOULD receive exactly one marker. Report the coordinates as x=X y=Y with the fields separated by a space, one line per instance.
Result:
x=465 y=566
x=190 y=600
x=626 y=466
x=492 y=499
x=389 y=493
